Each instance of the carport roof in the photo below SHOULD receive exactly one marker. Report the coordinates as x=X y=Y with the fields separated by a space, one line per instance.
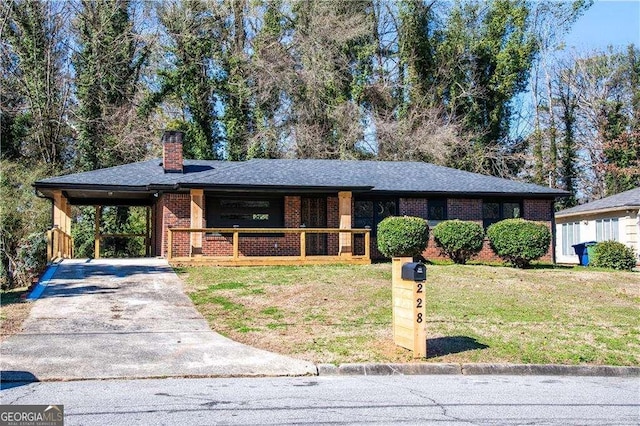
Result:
x=295 y=174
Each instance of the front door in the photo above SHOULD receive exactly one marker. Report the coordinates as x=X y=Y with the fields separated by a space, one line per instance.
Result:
x=314 y=215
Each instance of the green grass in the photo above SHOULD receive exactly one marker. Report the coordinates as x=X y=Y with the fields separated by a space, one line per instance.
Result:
x=475 y=313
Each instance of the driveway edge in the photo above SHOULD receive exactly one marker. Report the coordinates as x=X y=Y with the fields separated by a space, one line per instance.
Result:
x=365 y=369
x=43 y=282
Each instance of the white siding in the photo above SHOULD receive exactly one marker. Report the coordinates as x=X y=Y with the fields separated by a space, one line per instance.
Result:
x=623 y=226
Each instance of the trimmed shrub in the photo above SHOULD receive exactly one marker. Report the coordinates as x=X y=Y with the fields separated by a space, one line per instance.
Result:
x=402 y=236
x=614 y=255
x=459 y=240
x=519 y=241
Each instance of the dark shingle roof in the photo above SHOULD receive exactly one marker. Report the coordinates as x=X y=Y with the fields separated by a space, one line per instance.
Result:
x=379 y=176
x=141 y=174
x=623 y=200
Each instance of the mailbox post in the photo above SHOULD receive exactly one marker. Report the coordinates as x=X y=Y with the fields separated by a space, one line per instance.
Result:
x=409 y=312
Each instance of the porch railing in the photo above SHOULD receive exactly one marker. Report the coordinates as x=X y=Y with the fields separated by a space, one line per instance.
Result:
x=59 y=245
x=196 y=248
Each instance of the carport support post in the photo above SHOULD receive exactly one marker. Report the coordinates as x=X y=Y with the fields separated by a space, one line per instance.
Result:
x=96 y=234
x=147 y=233
x=408 y=310
x=62 y=220
x=344 y=211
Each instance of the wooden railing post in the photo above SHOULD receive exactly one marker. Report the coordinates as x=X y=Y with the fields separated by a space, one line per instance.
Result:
x=169 y=243
x=65 y=238
x=236 y=238
x=303 y=245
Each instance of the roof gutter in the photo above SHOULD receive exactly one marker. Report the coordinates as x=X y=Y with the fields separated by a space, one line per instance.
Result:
x=245 y=188
x=474 y=195
x=598 y=211
x=63 y=186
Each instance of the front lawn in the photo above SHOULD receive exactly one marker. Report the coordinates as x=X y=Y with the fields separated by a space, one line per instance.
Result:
x=475 y=313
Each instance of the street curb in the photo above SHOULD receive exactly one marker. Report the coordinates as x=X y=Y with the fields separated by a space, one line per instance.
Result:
x=43 y=282
x=364 y=369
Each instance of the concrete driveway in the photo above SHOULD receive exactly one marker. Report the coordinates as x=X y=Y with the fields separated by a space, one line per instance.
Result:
x=127 y=318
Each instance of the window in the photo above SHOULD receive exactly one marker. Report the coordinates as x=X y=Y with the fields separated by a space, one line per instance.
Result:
x=570 y=236
x=607 y=229
x=363 y=214
x=371 y=212
x=510 y=210
x=495 y=211
x=245 y=212
x=436 y=211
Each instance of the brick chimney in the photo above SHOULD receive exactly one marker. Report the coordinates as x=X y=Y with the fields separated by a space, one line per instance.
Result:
x=172 y=151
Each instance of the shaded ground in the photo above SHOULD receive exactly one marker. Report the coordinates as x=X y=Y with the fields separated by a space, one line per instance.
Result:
x=337 y=314
x=13 y=312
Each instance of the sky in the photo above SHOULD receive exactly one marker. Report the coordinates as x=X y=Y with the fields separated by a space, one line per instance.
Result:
x=607 y=22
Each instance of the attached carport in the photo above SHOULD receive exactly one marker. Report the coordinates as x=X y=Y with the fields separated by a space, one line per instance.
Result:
x=60 y=241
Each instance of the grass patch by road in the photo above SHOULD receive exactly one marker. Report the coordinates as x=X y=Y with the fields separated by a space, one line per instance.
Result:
x=475 y=313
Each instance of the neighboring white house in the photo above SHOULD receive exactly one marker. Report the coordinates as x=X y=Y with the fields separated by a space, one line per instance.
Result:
x=613 y=218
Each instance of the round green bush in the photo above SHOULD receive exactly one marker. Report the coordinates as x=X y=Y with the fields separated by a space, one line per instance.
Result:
x=519 y=241
x=459 y=240
x=402 y=236
x=614 y=255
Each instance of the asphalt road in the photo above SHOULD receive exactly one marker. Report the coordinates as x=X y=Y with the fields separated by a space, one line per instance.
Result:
x=441 y=400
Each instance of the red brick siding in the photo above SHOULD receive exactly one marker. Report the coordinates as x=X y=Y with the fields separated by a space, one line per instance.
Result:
x=464 y=209
x=537 y=210
x=414 y=207
x=217 y=245
x=172 y=156
x=292 y=211
x=172 y=210
x=222 y=245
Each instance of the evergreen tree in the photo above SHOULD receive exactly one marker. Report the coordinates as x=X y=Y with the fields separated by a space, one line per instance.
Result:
x=491 y=51
x=34 y=92
x=108 y=66
x=192 y=77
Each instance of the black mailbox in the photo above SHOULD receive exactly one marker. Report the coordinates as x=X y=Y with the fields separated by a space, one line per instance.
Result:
x=414 y=271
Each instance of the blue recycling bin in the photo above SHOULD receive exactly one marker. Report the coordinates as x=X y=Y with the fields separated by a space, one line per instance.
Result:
x=582 y=251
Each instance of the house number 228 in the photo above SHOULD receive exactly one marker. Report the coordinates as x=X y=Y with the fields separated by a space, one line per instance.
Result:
x=419 y=318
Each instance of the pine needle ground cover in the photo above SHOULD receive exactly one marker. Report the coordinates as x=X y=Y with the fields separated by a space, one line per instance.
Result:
x=475 y=313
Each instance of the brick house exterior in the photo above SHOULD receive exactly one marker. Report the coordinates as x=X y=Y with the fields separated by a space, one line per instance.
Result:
x=174 y=210
x=295 y=194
